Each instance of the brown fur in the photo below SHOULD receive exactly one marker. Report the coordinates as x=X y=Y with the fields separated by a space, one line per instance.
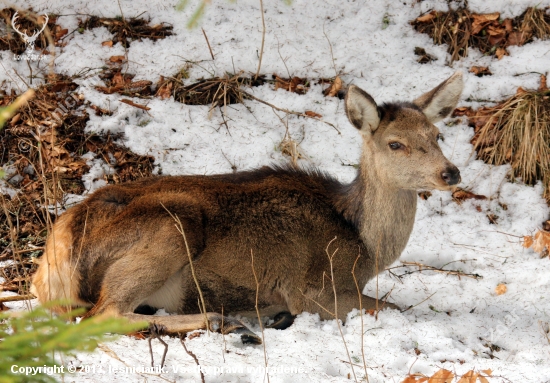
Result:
x=120 y=249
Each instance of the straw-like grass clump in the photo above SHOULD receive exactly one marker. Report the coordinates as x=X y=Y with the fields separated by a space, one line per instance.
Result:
x=517 y=131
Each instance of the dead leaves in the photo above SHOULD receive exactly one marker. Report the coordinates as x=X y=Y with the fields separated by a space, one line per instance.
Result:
x=460 y=195
x=446 y=376
x=295 y=84
x=501 y=289
x=460 y=29
x=481 y=21
x=116 y=82
x=334 y=88
x=480 y=71
x=127 y=30
x=309 y=113
x=540 y=242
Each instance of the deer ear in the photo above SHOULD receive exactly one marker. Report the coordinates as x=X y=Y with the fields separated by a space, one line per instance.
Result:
x=361 y=110
x=441 y=101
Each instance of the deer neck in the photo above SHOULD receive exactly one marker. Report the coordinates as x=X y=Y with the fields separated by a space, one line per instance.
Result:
x=383 y=214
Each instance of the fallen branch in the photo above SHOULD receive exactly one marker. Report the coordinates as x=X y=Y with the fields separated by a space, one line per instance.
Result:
x=192 y=355
x=422 y=267
x=129 y=102
x=286 y=110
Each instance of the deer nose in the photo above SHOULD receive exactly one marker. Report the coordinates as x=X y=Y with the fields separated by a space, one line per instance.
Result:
x=451 y=175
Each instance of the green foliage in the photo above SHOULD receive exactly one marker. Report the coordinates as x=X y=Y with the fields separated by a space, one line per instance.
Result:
x=32 y=339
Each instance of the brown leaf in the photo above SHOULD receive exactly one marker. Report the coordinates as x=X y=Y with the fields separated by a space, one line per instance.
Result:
x=442 y=376
x=426 y=18
x=481 y=21
x=461 y=195
x=542 y=241
x=332 y=90
x=480 y=71
x=469 y=377
x=108 y=43
x=165 y=91
x=496 y=33
x=501 y=52
x=118 y=79
x=508 y=25
x=463 y=111
x=295 y=84
x=59 y=33
x=520 y=90
x=309 y=113
x=500 y=289
x=527 y=241
x=516 y=38
x=117 y=59
x=543 y=87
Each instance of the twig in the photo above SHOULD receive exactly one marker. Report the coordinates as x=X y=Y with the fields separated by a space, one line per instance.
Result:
x=192 y=355
x=422 y=267
x=179 y=227
x=331 y=54
x=223 y=119
x=154 y=333
x=208 y=43
x=361 y=313
x=410 y=307
x=286 y=110
x=330 y=258
x=130 y=102
x=263 y=40
x=282 y=59
x=258 y=313
x=16 y=298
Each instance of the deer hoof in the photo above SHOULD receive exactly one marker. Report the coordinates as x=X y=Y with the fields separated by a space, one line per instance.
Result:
x=247 y=336
x=282 y=321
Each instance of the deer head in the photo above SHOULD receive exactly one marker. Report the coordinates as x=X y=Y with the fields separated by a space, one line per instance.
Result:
x=29 y=40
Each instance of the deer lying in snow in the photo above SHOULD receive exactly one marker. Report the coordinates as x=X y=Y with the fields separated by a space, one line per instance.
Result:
x=121 y=253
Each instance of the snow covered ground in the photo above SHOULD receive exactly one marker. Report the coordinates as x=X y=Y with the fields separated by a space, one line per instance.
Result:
x=372 y=46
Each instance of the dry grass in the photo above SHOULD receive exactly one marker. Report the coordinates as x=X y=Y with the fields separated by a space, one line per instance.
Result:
x=517 y=131
x=127 y=30
x=461 y=30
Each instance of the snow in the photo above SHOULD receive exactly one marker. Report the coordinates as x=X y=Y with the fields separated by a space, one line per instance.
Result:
x=452 y=319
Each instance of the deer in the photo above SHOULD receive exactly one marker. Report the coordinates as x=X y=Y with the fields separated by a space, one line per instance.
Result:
x=169 y=242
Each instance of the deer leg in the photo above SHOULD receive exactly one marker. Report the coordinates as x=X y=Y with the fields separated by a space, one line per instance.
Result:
x=180 y=324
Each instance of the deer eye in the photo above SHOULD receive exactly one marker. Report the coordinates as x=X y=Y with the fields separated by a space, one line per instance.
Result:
x=395 y=145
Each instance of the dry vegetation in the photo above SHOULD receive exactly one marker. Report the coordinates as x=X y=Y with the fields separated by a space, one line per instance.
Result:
x=516 y=131
x=41 y=148
x=27 y=23
x=461 y=30
x=127 y=30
